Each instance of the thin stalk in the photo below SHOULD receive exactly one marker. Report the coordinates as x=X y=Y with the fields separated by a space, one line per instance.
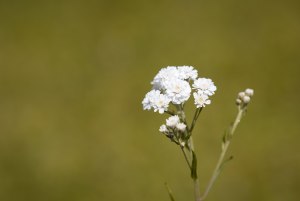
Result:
x=196 y=115
x=196 y=190
x=182 y=149
x=170 y=112
x=193 y=166
x=183 y=117
x=195 y=180
x=220 y=162
x=186 y=158
x=169 y=192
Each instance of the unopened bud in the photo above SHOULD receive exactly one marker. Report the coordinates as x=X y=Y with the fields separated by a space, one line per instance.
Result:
x=249 y=92
x=241 y=95
x=246 y=99
x=182 y=143
x=238 y=101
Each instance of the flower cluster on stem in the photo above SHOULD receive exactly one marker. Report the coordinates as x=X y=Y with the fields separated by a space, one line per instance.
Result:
x=171 y=89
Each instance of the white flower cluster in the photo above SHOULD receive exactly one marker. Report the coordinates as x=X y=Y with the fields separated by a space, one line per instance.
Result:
x=172 y=85
x=173 y=128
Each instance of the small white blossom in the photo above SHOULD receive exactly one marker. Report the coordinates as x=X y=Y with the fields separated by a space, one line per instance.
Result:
x=178 y=90
x=173 y=121
x=201 y=100
x=173 y=73
x=181 y=127
x=205 y=86
x=164 y=75
x=147 y=103
x=154 y=99
x=187 y=72
x=163 y=128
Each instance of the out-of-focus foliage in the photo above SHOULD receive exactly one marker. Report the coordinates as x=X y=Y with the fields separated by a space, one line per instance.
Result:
x=73 y=75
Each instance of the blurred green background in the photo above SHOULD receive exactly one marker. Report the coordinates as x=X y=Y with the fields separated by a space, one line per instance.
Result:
x=73 y=75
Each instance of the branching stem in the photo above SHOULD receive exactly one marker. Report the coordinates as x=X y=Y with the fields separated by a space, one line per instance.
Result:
x=225 y=146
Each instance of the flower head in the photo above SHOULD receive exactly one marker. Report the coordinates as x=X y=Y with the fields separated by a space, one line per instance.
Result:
x=154 y=99
x=181 y=127
x=201 y=100
x=187 y=72
x=205 y=86
x=163 y=76
x=173 y=73
x=163 y=129
x=172 y=121
x=178 y=90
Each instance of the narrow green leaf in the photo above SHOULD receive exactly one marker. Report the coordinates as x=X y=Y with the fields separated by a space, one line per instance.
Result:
x=169 y=192
x=194 y=166
x=225 y=161
x=224 y=138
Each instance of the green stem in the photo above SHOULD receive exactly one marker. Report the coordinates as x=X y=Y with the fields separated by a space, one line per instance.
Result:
x=195 y=179
x=170 y=112
x=186 y=158
x=225 y=146
x=182 y=149
x=169 y=192
x=196 y=190
x=183 y=117
x=196 y=115
x=190 y=144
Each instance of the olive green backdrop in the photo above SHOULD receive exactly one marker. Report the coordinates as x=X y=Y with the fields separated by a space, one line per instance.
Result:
x=73 y=75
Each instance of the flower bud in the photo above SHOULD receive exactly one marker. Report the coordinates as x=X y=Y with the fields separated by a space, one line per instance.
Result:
x=249 y=92
x=238 y=101
x=241 y=95
x=246 y=99
x=182 y=143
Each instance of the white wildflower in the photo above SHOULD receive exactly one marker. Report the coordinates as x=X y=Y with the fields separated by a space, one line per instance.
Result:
x=201 y=100
x=173 y=121
x=147 y=102
x=187 y=72
x=181 y=127
x=164 y=75
x=173 y=73
x=178 y=90
x=154 y=99
x=163 y=128
x=205 y=86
